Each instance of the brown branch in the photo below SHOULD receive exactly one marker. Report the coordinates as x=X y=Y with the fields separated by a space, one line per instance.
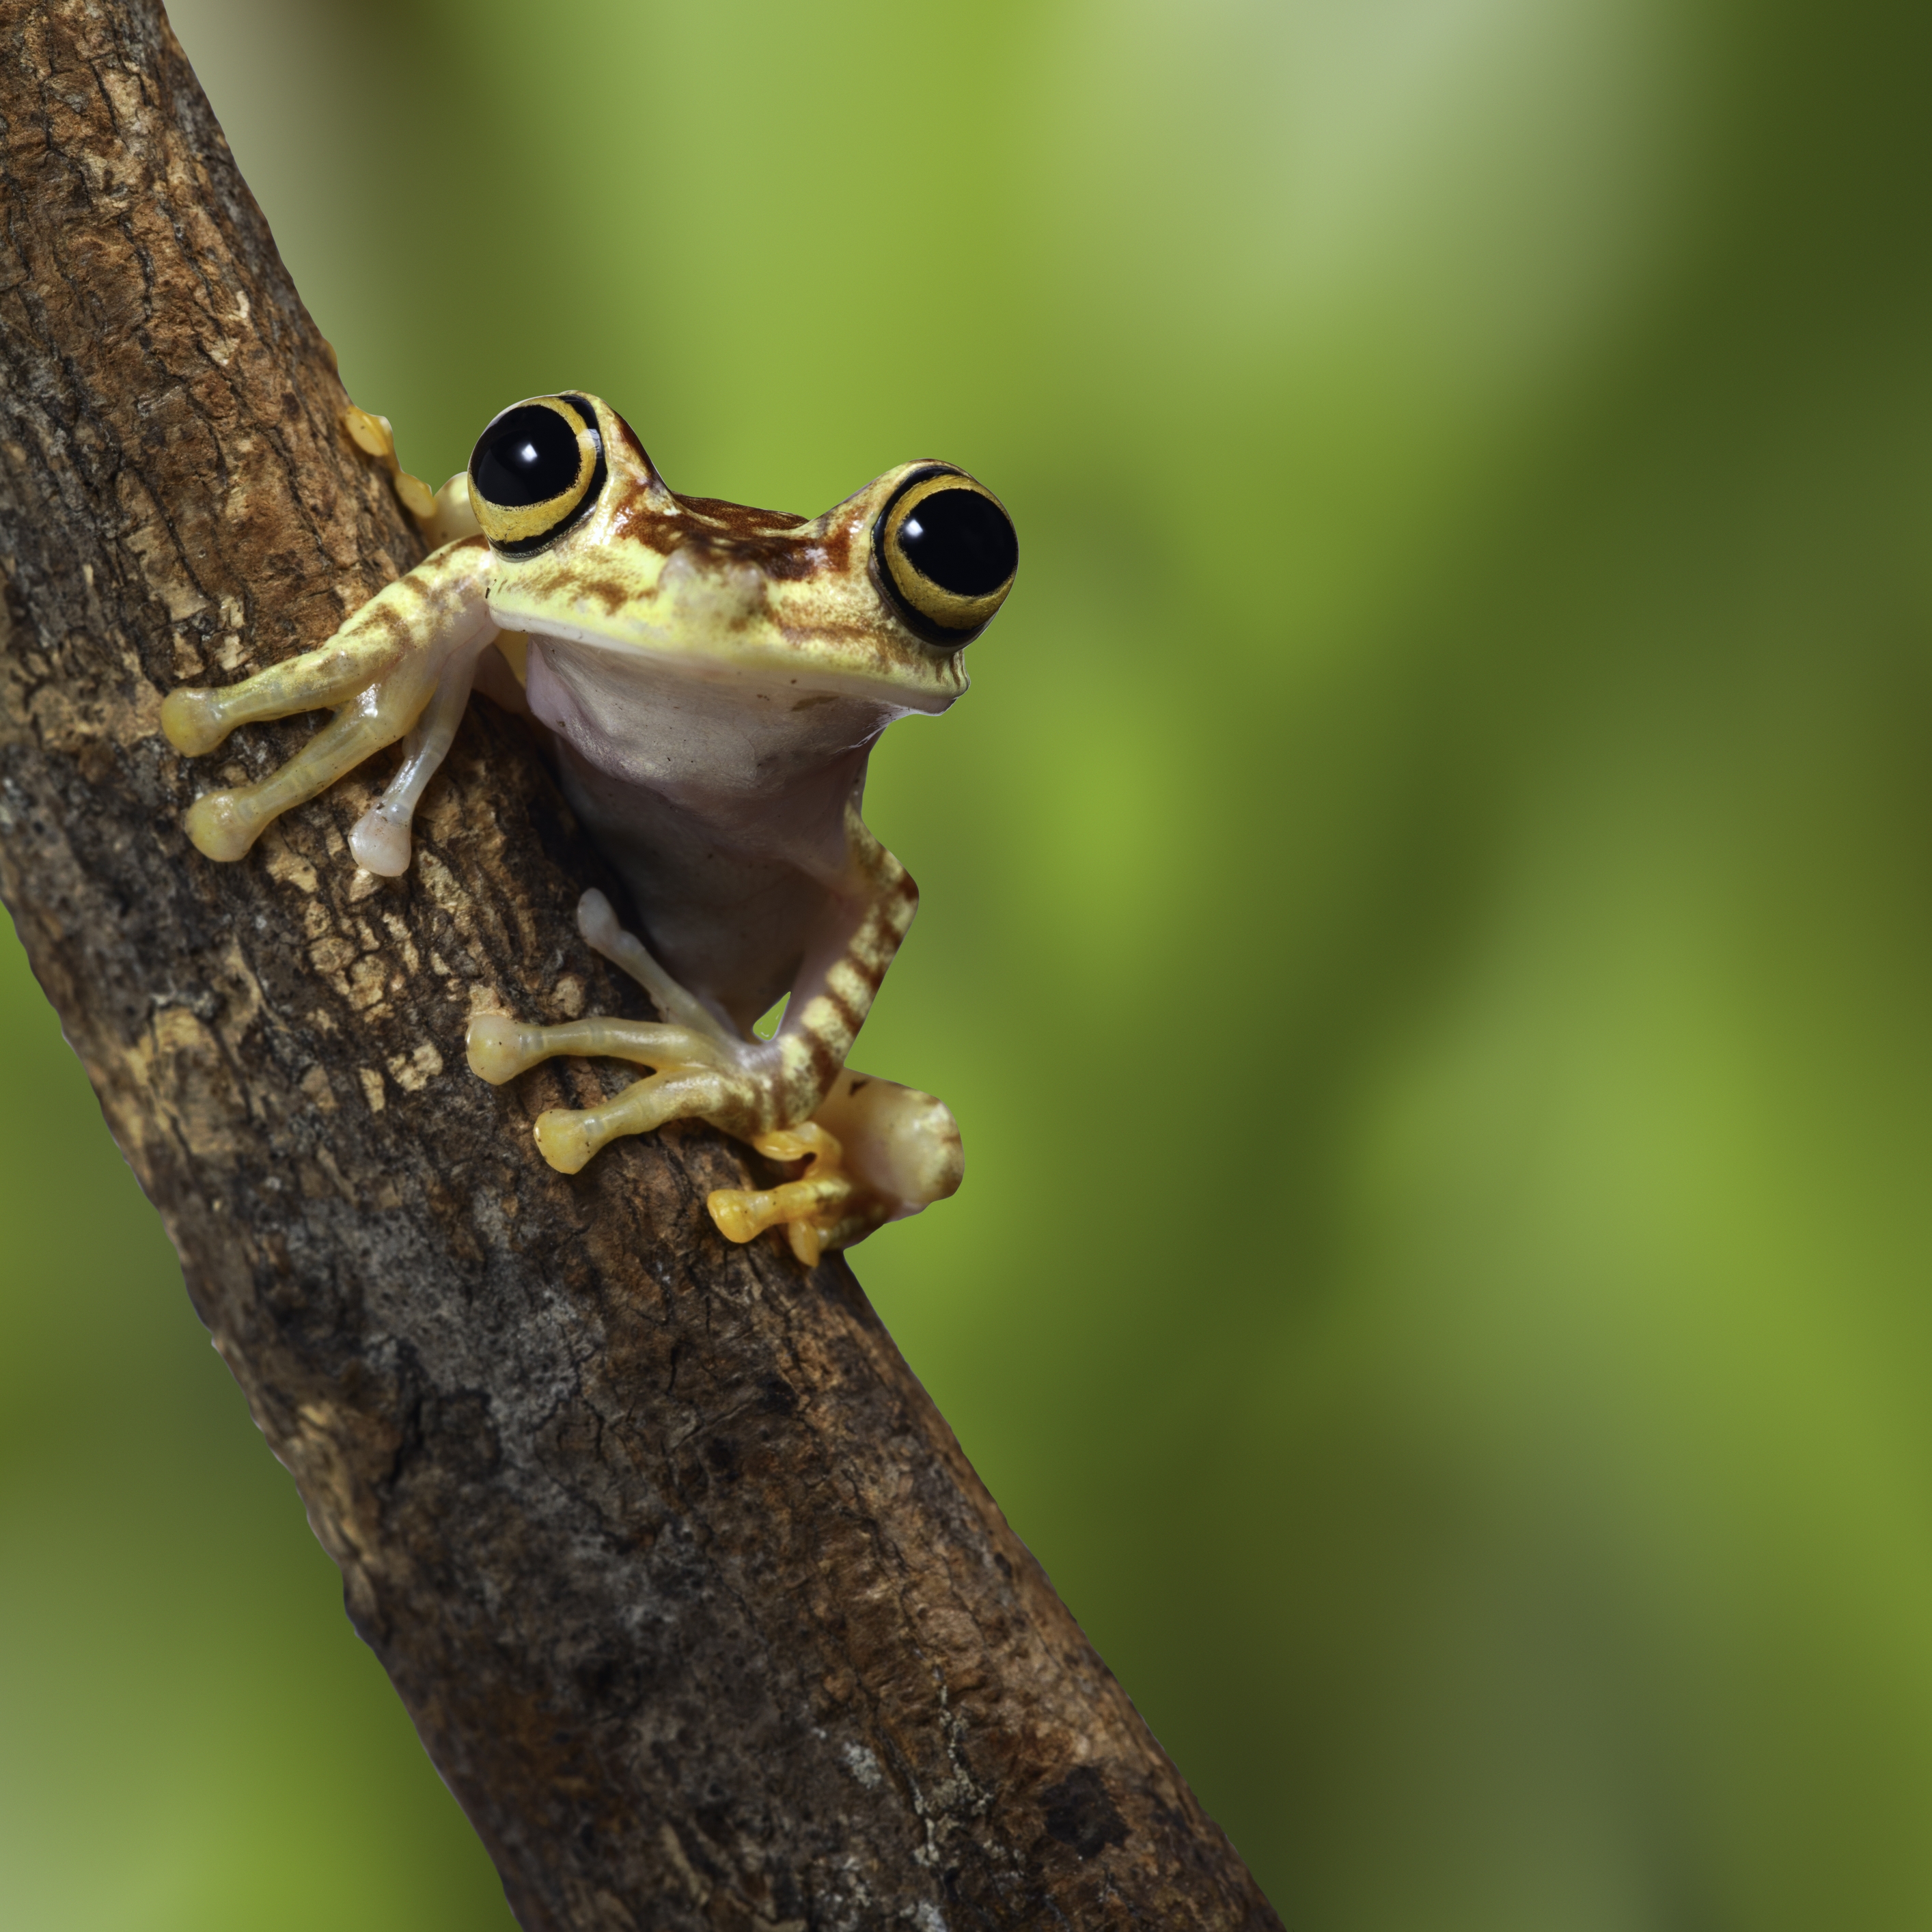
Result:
x=694 y=1600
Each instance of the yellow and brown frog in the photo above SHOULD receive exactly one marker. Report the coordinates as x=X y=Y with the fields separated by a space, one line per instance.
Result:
x=714 y=677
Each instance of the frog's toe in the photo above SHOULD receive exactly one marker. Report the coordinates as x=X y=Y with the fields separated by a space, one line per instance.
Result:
x=500 y=1047
x=192 y=721
x=221 y=825
x=380 y=843
x=598 y=923
x=809 y=1209
x=567 y=1139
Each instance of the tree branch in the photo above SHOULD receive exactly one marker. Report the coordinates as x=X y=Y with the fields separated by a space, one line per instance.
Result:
x=692 y=1596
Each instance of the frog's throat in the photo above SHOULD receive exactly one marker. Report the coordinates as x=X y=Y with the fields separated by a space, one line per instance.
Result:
x=648 y=723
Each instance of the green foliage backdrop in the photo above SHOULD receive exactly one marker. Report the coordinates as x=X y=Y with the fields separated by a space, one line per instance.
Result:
x=1428 y=921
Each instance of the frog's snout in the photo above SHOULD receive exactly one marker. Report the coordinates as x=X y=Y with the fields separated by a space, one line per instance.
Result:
x=712 y=588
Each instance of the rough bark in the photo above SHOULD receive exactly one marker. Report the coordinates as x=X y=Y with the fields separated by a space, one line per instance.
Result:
x=691 y=1595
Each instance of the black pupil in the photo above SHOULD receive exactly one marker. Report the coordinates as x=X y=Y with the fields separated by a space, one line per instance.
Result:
x=960 y=540
x=528 y=457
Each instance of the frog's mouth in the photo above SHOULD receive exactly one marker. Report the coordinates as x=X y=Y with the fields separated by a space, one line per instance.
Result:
x=808 y=665
x=763 y=662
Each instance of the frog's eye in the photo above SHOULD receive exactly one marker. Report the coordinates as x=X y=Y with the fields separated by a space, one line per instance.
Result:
x=536 y=470
x=946 y=552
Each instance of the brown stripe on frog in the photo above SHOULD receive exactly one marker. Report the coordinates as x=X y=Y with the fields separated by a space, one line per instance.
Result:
x=736 y=531
x=783 y=559
x=810 y=1063
x=872 y=947
x=899 y=902
x=739 y=519
x=614 y=593
x=385 y=620
x=870 y=968
x=850 y=1016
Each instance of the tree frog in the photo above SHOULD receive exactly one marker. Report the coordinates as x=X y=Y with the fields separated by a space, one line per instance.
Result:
x=714 y=677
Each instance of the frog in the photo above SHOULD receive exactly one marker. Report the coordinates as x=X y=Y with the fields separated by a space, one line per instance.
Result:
x=710 y=680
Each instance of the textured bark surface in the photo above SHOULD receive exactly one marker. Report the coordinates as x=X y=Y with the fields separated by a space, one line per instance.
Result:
x=694 y=1600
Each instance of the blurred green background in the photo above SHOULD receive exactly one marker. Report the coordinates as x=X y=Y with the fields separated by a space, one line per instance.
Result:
x=1428 y=916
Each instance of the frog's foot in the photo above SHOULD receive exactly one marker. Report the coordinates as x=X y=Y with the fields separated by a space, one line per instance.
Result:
x=878 y=1151
x=809 y=1208
x=881 y=1152
x=224 y=824
x=373 y=435
x=405 y=659
x=689 y=1080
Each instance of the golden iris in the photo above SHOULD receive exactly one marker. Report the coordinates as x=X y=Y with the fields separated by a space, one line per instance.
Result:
x=536 y=470
x=948 y=552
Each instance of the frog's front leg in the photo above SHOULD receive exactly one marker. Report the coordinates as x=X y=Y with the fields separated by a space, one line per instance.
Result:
x=409 y=652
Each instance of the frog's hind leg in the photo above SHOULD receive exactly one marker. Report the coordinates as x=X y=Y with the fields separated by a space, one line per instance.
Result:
x=878 y=1151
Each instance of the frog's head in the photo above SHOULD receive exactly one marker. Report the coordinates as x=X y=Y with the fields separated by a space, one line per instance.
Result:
x=875 y=599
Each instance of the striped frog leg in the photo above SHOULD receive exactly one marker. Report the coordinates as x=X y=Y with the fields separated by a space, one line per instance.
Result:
x=837 y=984
x=763 y=1092
x=408 y=654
